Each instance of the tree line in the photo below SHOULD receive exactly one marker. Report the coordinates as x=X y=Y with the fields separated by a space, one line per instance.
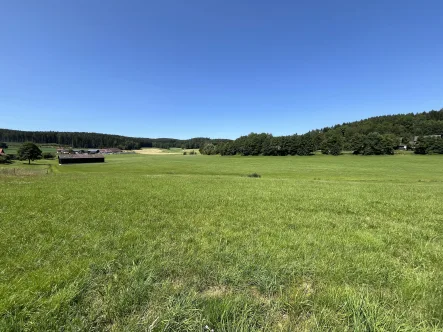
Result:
x=301 y=145
x=263 y=144
x=374 y=136
x=96 y=140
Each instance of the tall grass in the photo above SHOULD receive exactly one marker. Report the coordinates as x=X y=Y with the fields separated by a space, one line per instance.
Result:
x=22 y=171
x=177 y=244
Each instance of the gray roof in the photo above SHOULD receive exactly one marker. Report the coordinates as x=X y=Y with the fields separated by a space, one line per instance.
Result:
x=80 y=156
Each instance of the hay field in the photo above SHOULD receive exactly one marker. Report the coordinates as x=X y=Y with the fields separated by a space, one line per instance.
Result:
x=172 y=151
x=150 y=151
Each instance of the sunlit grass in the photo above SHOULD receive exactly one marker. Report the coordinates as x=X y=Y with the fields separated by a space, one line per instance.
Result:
x=180 y=242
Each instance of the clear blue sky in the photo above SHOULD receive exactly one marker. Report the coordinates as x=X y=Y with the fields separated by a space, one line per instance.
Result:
x=215 y=68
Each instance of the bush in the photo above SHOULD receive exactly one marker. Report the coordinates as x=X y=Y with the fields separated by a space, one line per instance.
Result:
x=254 y=175
x=208 y=149
x=48 y=155
x=185 y=153
x=5 y=159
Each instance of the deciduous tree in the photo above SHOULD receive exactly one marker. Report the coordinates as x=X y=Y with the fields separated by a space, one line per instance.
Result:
x=29 y=151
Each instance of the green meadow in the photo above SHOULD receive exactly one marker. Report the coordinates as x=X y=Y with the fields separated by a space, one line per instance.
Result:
x=191 y=243
x=13 y=147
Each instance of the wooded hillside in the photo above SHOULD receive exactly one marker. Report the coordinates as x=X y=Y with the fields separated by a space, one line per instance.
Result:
x=377 y=135
x=96 y=140
x=404 y=126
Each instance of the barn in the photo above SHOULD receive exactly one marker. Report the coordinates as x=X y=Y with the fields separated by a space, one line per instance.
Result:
x=80 y=158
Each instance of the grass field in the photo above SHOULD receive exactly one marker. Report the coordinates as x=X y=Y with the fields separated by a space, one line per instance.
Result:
x=177 y=243
x=13 y=147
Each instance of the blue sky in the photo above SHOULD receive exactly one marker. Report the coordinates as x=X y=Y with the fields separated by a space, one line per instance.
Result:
x=215 y=68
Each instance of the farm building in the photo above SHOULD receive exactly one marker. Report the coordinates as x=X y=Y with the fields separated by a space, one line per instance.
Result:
x=80 y=158
x=110 y=150
x=427 y=136
x=59 y=151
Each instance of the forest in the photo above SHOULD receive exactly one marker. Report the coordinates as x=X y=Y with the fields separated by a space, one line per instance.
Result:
x=96 y=140
x=421 y=132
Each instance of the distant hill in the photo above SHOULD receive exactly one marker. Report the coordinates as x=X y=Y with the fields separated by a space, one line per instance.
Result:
x=97 y=140
x=404 y=126
x=377 y=135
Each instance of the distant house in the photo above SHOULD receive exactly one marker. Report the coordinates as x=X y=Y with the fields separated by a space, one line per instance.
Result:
x=93 y=151
x=401 y=145
x=110 y=150
x=62 y=151
x=427 y=136
x=80 y=158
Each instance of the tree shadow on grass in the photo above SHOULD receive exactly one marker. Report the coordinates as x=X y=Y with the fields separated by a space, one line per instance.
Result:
x=33 y=164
